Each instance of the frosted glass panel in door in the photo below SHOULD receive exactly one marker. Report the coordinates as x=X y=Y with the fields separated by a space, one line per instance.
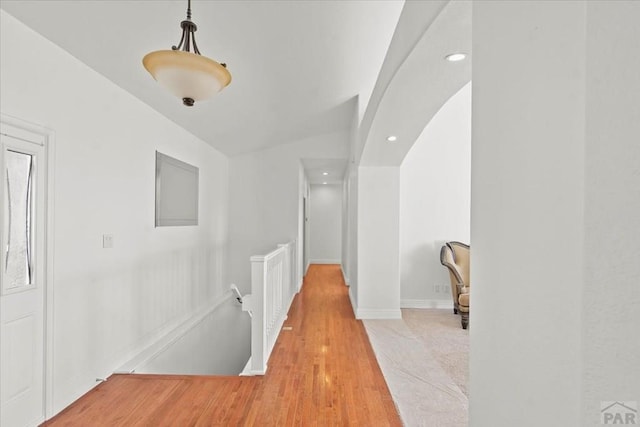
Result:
x=18 y=186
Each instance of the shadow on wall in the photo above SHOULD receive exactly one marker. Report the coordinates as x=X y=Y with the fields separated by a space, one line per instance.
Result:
x=220 y=344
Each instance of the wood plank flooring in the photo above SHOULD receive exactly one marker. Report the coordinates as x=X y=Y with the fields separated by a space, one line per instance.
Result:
x=321 y=373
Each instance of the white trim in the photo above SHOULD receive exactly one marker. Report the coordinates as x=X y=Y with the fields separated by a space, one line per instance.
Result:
x=378 y=313
x=324 y=261
x=426 y=303
x=248 y=372
x=344 y=275
x=49 y=154
x=353 y=300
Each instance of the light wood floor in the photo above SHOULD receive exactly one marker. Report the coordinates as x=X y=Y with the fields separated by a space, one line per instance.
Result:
x=321 y=373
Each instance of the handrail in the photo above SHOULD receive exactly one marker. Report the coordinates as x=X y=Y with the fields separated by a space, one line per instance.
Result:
x=272 y=290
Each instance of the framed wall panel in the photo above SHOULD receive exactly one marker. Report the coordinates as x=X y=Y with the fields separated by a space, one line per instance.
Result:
x=176 y=192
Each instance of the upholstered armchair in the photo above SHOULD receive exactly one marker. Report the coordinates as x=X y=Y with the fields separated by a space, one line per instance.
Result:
x=455 y=257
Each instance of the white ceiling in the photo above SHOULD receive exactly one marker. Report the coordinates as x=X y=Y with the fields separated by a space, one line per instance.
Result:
x=316 y=169
x=419 y=82
x=296 y=65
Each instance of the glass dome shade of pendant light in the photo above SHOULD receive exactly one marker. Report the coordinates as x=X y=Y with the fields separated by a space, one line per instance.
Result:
x=187 y=75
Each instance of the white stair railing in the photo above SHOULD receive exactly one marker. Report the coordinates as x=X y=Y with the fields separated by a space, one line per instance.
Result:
x=272 y=290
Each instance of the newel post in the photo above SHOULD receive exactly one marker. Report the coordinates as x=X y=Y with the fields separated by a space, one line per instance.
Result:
x=258 y=338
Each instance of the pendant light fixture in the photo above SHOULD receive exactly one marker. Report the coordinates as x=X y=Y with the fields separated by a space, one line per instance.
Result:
x=190 y=76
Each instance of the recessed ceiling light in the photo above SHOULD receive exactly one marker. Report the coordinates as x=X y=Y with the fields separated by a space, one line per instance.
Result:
x=392 y=138
x=455 y=57
x=324 y=183
x=325 y=173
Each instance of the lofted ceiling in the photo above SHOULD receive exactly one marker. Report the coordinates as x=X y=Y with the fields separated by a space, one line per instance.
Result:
x=296 y=65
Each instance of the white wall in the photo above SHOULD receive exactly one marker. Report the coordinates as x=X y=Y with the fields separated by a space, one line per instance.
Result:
x=426 y=32
x=527 y=213
x=378 y=294
x=611 y=291
x=344 y=240
x=435 y=202
x=325 y=223
x=555 y=209
x=108 y=303
x=265 y=198
x=350 y=217
x=350 y=254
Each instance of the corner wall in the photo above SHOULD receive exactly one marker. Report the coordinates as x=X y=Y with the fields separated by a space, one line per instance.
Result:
x=435 y=202
x=109 y=303
x=378 y=294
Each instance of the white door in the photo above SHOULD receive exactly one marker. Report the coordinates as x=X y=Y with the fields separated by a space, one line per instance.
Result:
x=22 y=278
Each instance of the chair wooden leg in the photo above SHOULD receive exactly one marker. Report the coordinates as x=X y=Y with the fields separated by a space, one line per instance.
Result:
x=465 y=320
x=455 y=310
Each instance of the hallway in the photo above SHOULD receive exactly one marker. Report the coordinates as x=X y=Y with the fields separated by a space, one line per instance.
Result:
x=321 y=372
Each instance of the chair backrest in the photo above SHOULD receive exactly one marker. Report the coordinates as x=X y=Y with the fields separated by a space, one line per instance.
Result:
x=461 y=258
x=455 y=256
x=448 y=260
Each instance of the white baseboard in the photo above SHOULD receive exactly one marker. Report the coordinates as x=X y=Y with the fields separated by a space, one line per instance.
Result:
x=374 y=313
x=247 y=372
x=426 y=303
x=324 y=261
x=352 y=299
x=344 y=275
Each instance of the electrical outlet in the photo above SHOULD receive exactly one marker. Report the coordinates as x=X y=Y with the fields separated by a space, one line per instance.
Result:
x=437 y=289
x=107 y=241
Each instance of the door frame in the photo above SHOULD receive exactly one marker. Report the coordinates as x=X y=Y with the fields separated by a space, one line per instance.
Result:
x=22 y=129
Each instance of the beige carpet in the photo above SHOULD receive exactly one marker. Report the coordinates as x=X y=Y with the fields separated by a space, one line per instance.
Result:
x=441 y=333
x=424 y=358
